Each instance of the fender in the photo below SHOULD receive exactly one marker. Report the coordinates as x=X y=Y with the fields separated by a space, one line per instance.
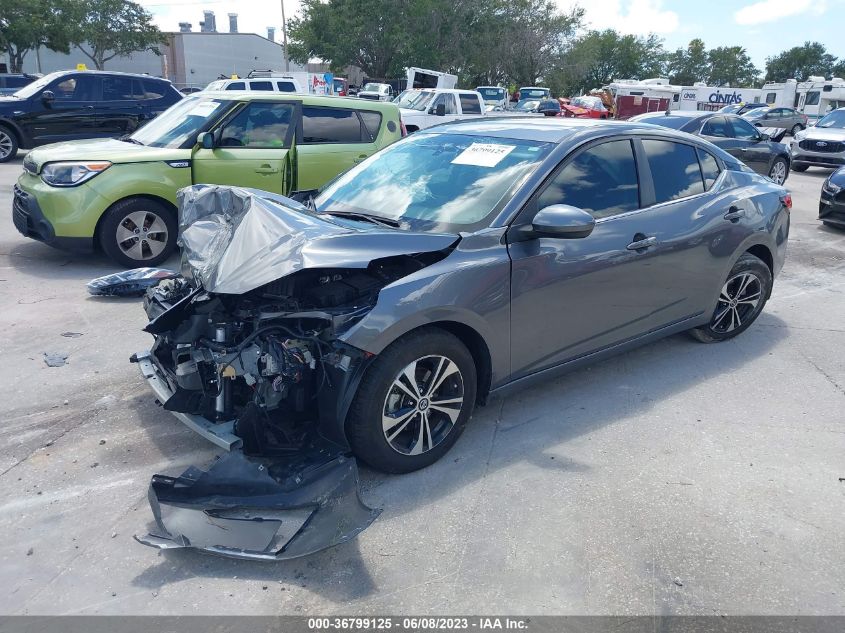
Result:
x=23 y=139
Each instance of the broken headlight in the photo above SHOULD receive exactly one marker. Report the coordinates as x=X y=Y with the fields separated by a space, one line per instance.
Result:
x=72 y=174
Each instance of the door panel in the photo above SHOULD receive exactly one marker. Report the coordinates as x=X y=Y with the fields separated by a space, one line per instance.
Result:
x=70 y=115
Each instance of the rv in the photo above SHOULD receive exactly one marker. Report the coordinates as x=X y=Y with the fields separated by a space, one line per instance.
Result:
x=817 y=96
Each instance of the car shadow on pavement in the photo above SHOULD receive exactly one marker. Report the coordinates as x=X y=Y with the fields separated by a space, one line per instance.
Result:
x=531 y=428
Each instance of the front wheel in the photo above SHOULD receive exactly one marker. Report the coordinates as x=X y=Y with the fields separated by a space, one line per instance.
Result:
x=8 y=145
x=740 y=302
x=138 y=232
x=779 y=171
x=413 y=402
x=796 y=128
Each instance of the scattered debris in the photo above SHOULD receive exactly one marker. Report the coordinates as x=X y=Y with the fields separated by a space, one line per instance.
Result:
x=71 y=334
x=106 y=401
x=102 y=442
x=55 y=359
x=678 y=582
x=129 y=283
x=30 y=551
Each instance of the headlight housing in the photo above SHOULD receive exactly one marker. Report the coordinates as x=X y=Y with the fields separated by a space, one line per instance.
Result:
x=831 y=188
x=71 y=174
x=800 y=135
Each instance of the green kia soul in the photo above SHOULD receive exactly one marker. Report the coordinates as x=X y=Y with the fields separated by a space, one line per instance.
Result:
x=120 y=194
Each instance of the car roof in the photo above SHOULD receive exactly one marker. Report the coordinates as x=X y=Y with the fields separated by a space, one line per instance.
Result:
x=549 y=129
x=108 y=72
x=308 y=99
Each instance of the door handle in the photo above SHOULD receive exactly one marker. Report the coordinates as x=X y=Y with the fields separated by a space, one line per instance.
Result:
x=642 y=244
x=266 y=169
x=735 y=214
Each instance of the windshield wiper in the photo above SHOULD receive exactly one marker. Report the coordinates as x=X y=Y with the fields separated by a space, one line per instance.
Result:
x=128 y=139
x=375 y=219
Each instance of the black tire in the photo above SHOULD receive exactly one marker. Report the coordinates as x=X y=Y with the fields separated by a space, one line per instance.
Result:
x=379 y=396
x=800 y=167
x=774 y=173
x=740 y=309
x=156 y=245
x=8 y=144
x=831 y=225
x=795 y=129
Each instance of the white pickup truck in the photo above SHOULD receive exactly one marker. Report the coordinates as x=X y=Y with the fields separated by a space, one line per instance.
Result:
x=420 y=109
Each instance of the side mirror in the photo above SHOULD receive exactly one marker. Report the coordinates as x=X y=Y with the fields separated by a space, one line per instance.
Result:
x=562 y=221
x=440 y=110
x=206 y=139
x=47 y=96
x=764 y=137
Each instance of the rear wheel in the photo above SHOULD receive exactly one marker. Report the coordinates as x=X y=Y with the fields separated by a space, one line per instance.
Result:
x=8 y=144
x=740 y=302
x=796 y=128
x=779 y=171
x=138 y=232
x=413 y=403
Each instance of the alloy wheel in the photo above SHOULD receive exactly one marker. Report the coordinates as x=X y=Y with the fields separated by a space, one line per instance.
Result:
x=422 y=405
x=778 y=173
x=6 y=144
x=142 y=235
x=738 y=301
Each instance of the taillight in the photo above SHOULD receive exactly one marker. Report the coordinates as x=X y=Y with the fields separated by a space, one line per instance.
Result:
x=787 y=201
x=402 y=128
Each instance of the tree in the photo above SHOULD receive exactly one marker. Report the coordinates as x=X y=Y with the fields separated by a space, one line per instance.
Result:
x=731 y=66
x=111 y=28
x=688 y=65
x=27 y=25
x=800 y=63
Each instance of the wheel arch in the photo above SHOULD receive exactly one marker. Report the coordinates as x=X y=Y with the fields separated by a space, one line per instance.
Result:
x=143 y=196
x=17 y=131
x=477 y=347
x=762 y=252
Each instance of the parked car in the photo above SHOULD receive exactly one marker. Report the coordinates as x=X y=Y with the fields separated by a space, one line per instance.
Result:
x=10 y=83
x=340 y=85
x=784 y=118
x=534 y=92
x=120 y=195
x=527 y=106
x=66 y=106
x=376 y=92
x=822 y=145
x=832 y=201
x=549 y=107
x=419 y=283
x=189 y=90
x=733 y=134
x=585 y=107
x=425 y=108
x=494 y=97
x=263 y=84
x=741 y=108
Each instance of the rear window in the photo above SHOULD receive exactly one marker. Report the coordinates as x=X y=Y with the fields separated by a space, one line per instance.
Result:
x=709 y=168
x=261 y=85
x=330 y=125
x=153 y=89
x=674 y=170
x=470 y=104
x=372 y=123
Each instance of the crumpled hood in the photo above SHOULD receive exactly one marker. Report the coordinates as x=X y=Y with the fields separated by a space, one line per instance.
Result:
x=235 y=240
x=824 y=134
x=106 y=149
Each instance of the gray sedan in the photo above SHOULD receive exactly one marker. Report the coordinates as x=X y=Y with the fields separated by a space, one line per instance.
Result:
x=733 y=134
x=464 y=261
x=783 y=118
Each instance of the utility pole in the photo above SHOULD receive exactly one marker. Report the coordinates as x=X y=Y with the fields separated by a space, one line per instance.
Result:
x=285 y=37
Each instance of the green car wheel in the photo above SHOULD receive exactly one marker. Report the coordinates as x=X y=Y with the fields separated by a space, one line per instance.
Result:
x=138 y=232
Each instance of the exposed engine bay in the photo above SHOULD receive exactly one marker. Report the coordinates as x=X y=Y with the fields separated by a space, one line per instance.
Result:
x=262 y=373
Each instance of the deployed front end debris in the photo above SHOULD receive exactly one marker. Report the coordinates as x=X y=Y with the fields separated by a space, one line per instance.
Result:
x=247 y=354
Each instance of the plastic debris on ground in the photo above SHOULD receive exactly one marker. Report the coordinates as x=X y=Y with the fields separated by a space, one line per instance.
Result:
x=129 y=283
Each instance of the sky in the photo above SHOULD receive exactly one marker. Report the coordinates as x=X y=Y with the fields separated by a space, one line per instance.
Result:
x=763 y=27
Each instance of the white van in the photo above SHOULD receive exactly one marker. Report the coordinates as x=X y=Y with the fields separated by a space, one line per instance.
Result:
x=265 y=84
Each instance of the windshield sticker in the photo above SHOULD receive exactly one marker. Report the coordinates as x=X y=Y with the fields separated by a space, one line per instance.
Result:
x=203 y=108
x=483 y=154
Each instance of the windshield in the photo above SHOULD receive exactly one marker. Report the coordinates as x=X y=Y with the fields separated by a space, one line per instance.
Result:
x=374 y=88
x=405 y=97
x=527 y=105
x=833 y=119
x=180 y=123
x=420 y=101
x=435 y=182
x=535 y=93
x=35 y=87
x=492 y=94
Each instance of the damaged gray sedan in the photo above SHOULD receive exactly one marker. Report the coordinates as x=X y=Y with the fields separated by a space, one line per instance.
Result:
x=467 y=259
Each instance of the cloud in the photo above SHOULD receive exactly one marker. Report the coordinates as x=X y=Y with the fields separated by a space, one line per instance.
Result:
x=773 y=10
x=637 y=16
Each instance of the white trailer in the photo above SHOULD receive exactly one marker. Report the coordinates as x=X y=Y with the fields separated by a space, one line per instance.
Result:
x=817 y=96
x=424 y=78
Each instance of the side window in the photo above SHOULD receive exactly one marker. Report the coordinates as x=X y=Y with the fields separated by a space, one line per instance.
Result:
x=674 y=170
x=153 y=89
x=76 y=88
x=812 y=98
x=744 y=130
x=117 y=88
x=259 y=125
x=601 y=180
x=770 y=97
x=372 y=123
x=261 y=85
x=285 y=86
x=330 y=125
x=448 y=99
x=469 y=104
x=236 y=85
x=716 y=127
x=709 y=168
